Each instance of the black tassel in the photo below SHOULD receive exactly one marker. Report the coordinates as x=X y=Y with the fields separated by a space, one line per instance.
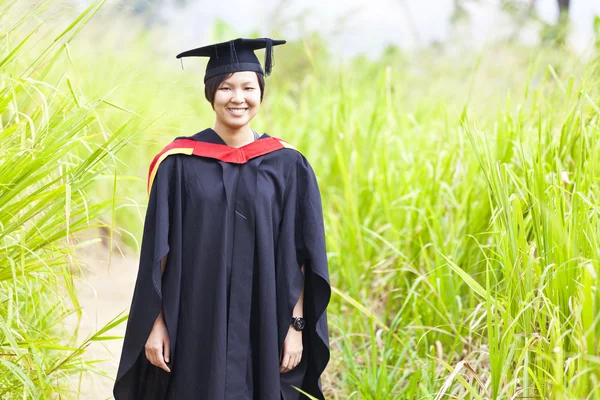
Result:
x=268 y=56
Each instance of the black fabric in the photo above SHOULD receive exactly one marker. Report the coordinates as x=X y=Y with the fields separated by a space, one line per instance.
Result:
x=235 y=55
x=236 y=236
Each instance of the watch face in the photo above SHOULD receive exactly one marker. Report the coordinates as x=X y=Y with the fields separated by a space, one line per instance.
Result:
x=299 y=324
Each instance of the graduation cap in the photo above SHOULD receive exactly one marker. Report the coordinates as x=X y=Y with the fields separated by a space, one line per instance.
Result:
x=235 y=55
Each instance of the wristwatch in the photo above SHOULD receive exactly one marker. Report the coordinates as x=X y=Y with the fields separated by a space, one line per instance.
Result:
x=298 y=323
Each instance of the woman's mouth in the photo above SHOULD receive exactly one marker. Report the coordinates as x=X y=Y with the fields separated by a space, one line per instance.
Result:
x=237 y=110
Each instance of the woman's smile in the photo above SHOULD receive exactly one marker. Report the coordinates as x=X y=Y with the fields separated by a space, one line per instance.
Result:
x=237 y=110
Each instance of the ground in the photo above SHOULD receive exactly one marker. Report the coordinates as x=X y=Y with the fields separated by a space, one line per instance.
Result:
x=104 y=291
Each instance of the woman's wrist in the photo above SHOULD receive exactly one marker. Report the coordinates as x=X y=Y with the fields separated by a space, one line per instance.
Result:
x=159 y=318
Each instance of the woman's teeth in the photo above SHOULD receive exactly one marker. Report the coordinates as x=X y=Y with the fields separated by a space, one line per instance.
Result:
x=237 y=111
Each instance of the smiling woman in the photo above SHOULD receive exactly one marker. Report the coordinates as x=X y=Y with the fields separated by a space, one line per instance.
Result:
x=212 y=84
x=233 y=284
x=236 y=101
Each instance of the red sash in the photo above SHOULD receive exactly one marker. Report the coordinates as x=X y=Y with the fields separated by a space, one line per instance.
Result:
x=239 y=155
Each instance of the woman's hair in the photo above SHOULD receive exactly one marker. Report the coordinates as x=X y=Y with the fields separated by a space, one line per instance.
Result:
x=212 y=84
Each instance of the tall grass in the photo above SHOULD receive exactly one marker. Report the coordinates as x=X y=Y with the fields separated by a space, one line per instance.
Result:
x=461 y=204
x=478 y=246
x=461 y=198
x=462 y=215
x=53 y=149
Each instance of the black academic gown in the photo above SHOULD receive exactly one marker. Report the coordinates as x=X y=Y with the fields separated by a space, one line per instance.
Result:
x=236 y=225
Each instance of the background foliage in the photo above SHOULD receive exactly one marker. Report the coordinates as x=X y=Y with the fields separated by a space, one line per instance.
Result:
x=460 y=191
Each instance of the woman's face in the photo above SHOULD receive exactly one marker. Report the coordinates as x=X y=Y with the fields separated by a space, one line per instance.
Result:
x=237 y=99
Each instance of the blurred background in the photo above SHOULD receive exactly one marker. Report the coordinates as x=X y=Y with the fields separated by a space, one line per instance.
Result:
x=455 y=143
x=360 y=27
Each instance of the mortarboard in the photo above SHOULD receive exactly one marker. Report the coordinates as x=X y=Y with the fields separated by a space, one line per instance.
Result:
x=235 y=55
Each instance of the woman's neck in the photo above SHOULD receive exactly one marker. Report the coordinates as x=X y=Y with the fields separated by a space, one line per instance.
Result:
x=235 y=137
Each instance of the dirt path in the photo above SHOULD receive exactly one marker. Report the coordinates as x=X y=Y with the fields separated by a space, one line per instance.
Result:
x=104 y=292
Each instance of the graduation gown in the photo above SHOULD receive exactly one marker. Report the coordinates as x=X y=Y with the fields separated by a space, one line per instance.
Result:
x=236 y=225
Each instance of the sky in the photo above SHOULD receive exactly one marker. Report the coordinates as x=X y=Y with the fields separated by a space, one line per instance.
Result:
x=361 y=26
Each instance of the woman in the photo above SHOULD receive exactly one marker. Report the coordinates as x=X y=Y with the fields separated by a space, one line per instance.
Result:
x=232 y=289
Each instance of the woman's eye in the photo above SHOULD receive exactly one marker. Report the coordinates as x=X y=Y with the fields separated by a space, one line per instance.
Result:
x=249 y=88
x=224 y=88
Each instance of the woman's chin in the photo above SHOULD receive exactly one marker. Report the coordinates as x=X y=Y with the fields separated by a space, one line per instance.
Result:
x=236 y=123
x=239 y=124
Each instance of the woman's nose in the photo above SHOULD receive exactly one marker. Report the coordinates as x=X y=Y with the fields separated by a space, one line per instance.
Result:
x=238 y=96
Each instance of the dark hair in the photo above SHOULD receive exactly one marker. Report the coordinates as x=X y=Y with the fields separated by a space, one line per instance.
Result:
x=212 y=84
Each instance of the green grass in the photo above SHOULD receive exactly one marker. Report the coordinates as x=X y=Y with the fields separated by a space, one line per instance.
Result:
x=462 y=219
x=461 y=198
x=462 y=263
x=53 y=148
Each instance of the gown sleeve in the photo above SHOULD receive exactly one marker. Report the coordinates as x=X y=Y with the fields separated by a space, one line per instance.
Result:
x=311 y=252
x=161 y=227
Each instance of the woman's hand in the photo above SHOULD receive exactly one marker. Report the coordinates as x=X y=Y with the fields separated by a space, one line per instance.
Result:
x=158 y=345
x=292 y=350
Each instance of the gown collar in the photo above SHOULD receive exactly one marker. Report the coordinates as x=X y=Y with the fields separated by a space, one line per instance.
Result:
x=208 y=143
x=209 y=135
